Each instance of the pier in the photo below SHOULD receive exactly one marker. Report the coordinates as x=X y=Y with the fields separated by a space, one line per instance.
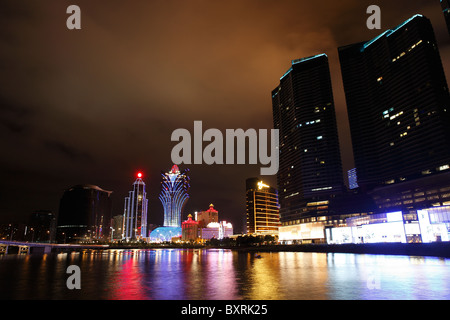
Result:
x=24 y=247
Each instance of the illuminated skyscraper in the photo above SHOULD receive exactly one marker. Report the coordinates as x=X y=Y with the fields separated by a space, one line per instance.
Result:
x=262 y=208
x=174 y=195
x=135 y=212
x=446 y=10
x=310 y=161
x=398 y=105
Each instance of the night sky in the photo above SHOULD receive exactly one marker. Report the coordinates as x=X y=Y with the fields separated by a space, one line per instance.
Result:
x=94 y=106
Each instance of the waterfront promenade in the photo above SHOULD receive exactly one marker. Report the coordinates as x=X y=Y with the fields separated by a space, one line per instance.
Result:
x=436 y=249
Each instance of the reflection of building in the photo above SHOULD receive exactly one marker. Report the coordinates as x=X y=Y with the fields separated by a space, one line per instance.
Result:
x=84 y=214
x=135 y=212
x=207 y=216
x=398 y=105
x=262 y=208
x=189 y=229
x=174 y=195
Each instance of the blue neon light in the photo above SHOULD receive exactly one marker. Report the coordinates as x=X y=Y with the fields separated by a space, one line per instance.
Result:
x=294 y=62
x=387 y=33
x=173 y=196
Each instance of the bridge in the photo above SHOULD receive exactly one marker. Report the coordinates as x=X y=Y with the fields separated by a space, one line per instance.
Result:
x=36 y=247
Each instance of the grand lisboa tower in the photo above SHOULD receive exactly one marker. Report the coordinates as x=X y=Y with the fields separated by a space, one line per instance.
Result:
x=174 y=195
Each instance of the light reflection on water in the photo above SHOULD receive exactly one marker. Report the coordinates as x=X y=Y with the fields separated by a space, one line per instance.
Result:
x=175 y=274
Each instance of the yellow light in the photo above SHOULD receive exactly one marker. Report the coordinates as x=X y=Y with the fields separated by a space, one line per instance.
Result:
x=262 y=185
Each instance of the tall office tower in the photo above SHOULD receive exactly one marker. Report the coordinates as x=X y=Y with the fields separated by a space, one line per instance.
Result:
x=135 y=211
x=310 y=162
x=446 y=10
x=262 y=208
x=85 y=213
x=174 y=195
x=398 y=105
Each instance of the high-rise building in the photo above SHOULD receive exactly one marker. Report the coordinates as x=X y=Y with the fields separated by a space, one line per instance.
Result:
x=446 y=10
x=262 y=208
x=310 y=168
x=174 y=195
x=85 y=214
x=135 y=211
x=398 y=105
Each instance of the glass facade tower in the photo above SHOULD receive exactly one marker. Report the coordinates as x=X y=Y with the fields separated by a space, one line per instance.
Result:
x=135 y=212
x=310 y=162
x=398 y=105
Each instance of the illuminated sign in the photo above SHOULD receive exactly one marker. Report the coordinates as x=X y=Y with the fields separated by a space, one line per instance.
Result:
x=261 y=185
x=394 y=216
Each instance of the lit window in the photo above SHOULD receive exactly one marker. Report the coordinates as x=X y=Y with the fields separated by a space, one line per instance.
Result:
x=444 y=167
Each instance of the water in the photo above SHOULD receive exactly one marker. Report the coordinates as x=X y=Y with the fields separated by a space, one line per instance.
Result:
x=176 y=274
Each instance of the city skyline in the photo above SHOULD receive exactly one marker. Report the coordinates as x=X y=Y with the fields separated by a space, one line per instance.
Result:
x=61 y=133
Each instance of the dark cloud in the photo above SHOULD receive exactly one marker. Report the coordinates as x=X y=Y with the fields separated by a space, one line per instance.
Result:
x=96 y=104
x=69 y=152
